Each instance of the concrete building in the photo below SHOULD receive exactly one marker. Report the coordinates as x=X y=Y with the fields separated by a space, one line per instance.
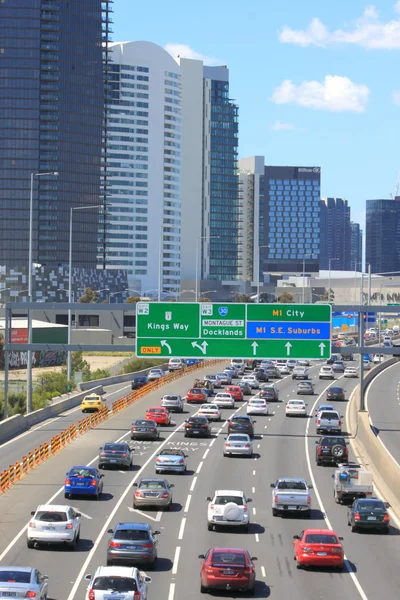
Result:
x=356 y=253
x=210 y=198
x=382 y=235
x=143 y=226
x=335 y=234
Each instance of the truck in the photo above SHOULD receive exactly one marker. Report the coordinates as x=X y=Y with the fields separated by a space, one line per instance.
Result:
x=350 y=481
x=291 y=494
x=329 y=421
x=204 y=383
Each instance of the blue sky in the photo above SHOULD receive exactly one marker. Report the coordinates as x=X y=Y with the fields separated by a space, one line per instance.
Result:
x=316 y=82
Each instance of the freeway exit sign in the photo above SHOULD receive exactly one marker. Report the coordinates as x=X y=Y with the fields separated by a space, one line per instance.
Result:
x=205 y=330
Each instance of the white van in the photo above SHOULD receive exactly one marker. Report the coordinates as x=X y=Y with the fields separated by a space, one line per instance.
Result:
x=175 y=364
x=237 y=362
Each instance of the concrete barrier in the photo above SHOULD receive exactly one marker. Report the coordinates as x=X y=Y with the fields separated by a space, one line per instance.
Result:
x=12 y=427
x=106 y=381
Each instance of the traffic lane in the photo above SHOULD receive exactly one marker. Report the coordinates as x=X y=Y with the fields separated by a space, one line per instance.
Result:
x=383 y=404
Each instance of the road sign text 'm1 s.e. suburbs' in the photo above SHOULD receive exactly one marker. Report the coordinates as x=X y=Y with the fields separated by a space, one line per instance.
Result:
x=206 y=330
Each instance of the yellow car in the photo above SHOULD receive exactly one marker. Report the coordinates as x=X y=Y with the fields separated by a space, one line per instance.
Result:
x=92 y=402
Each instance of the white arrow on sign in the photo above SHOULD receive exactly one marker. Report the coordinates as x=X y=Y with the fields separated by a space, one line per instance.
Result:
x=82 y=513
x=164 y=343
x=255 y=346
x=288 y=346
x=322 y=346
x=202 y=347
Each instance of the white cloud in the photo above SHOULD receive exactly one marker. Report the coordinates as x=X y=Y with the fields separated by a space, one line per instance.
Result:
x=368 y=31
x=279 y=126
x=396 y=97
x=336 y=94
x=185 y=51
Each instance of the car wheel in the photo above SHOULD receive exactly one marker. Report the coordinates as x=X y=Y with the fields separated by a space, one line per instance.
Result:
x=246 y=528
x=252 y=591
x=354 y=528
x=318 y=463
x=298 y=564
x=168 y=507
x=67 y=496
x=386 y=531
x=275 y=512
x=72 y=545
x=134 y=505
x=210 y=527
x=317 y=431
x=30 y=543
x=203 y=589
x=101 y=466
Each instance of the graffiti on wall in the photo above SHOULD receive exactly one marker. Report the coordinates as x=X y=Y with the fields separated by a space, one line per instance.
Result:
x=46 y=358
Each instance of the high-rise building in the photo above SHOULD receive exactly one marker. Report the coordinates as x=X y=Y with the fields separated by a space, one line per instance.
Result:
x=51 y=118
x=210 y=183
x=144 y=132
x=356 y=246
x=335 y=235
x=382 y=235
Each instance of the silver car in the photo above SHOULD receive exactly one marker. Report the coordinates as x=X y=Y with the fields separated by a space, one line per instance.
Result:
x=155 y=374
x=115 y=455
x=224 y=378
x=239 y=444
x=214 y=380
x=170 y=459
x=173 y=402
x=23 y=582
x=154 y=492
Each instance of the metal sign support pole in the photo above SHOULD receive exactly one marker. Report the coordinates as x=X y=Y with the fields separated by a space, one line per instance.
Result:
x=361 y=342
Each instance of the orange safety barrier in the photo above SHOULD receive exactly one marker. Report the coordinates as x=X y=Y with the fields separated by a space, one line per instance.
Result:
x=36 y=454
x=4 y=480
x=25 y=464
x=31 y=460
x=17 y=471
x=11 y=474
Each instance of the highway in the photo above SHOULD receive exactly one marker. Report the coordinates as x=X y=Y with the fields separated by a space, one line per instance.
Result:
x=284 y=447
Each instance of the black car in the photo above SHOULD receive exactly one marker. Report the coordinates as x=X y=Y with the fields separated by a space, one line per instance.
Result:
x=335 y=393
x=333 y=359
x=241 y=424
x=269 y=393
x=260 y=374
x=347 y=357
x=369 y=513
x=139 y=381
x=198 y=426
x=338 y=367
x=331 y=449
x=144 y=430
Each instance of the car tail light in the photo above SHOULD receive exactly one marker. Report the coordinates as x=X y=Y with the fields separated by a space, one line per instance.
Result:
x=336 y=551
x=93 y=483
x=319 y=422
x=204 y=426
x=113 y=544
x=386 y=518
x=91 y=595
x=247 y=446
x=30 y=594
x=32 y=524
x=134 y=428
x=276 y=498
x=158 y=460
x=319 y=450
x=309 y=500
x=124 y=454
x=245 y=508
x=249 y=570
x=165 y=495
x=147 y=545
x=69 y=526
x=212 y=506
x=308 y=550
x=67 y=482
x=138 y=495
x=209 y=570
x=228 y=444
x=136 y=596
x=340 y=423
x=357 y=517
x=181 y=461
x=102 y=454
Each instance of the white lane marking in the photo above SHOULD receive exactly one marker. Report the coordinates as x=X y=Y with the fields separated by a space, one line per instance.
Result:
x=176 y=560
x=319 y=499
x=254 y=472
x=193 y=484
x=182 y=528
x=146 y=515
x=171 y=591
x=199 y=468
x=205 y=453
x=253 y=490
x=212 y=442
x=265 y=426
x=188 y=499
x=257 y=537
x=263 y=571
x=254 y=511
x=82 y=513
x=258 y=445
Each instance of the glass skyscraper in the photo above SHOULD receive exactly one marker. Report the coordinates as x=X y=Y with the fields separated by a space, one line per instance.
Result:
x=382 y=241
x=335 y=235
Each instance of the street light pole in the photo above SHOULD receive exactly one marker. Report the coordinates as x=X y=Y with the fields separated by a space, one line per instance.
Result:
x=160 y=262
x=258 y=271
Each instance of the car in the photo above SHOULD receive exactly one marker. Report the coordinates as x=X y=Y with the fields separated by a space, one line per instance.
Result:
x=227 y=568
x=23 y=582
x=214 y=380
x=252 y=381
x=176 y=364
x=269 y=392
x=196 y=395
x=257 y=406
x=351 y=372
x=333 y=359
x=232 y=372
x=300 y=373
x=326 y=372
x=387 y=342
x=235 y=391
x=143 y=429
x=208 y=391
x=171 y=459
x=260 y=373
x=155 y=374
x=369 y=513
x=378 y=358
x=93 y=403
x=291 y=495
x=159 y=414
x=241 y=424
x=292 y=363
x=323 y=407
x=367 y=365
x=338 y=367
x=54 y=524
x=133 y=543
x=238 y=363
x=124 y=582
x=238 y=444
x=331 y=449
x=210 y=411
x=283 y=369
x=83 y=481
x=303 y=362
x=228 y=508
x=225 y=378
x=272 y=372
x=335 y=393
x=295 y=408
x=305 y=387
x=154 y=492
x=198 y=426
x=115 y=454
x=224 y=400
x=318 y=548
x=139 y=381
x=245 y=387
x=329 y=421
x=172 y=402
x=348 y=357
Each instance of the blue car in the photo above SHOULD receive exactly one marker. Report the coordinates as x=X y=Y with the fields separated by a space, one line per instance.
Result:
x=83 y=481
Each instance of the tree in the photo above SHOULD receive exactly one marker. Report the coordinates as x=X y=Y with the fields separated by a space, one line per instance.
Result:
x=242 y=298
x=89 y=296
x=285 y=298
x=133 y=299
x=329 y=296
x=204 y=299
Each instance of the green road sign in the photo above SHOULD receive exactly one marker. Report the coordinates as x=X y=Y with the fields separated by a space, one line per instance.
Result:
x=205 y=330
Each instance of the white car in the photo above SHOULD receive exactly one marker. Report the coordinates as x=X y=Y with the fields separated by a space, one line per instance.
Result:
x=175 y=364
x=252 y=381
x=122 y=583
x=224 y=400
x=228 y=508
x=283 y=369
x=238 y=444
x=54 y=524
x=292 y=363
x=211 y=411
x=257 y=406
x=296 y=408
x=367 y=365
x=326 y=372
x=155 y=374
x=214 y=380
x=378 y=358
x=351 y=372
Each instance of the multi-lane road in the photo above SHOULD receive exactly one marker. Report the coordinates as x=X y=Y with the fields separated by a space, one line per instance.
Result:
x=284 y=447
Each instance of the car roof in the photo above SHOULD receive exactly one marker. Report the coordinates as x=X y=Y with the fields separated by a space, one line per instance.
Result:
x=54 y=507
x=319 y=531
x=133 y=526
x=241 y=417
x=292 y=479
x=233 y=550
x=116 y=571
x=239 y=433
x=18 y=569
x=157 y=479
x=229 y=493
x=161 y=408
x=82 y=467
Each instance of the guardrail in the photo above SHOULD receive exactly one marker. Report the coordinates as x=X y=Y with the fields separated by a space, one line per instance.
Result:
x=37 y=456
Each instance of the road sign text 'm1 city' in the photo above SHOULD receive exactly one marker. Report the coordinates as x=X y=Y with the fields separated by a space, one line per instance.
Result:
x=208 y=330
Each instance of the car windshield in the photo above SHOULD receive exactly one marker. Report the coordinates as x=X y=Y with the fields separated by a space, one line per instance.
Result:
x=221 y=500
x=131 y=534
x=51 y=516
x=152 y=485
x=115 y=584
x=171 y=452
x=321 y=538
x=291 y=485
x=115 y=448
x=228 y=558
x=238 y=438
x=15 y=576
x=370 y=505
x=77 y=472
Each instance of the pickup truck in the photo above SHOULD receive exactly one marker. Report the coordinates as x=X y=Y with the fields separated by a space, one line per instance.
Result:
x=329 y=421
x=291 y=495
x=351 y=481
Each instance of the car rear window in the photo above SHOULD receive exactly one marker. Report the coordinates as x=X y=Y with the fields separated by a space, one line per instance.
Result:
x=51 y=517
x=238 y=438
x=370 y=505
x=171 y=397
x=196 y=391
x=152 y=485
x=143 y=423
x=329 y=414
x=115 y=584
x=333 y=441
x=82 y=473
x=257 y=402
x=198 y=420
x=172 y=452
x=15 y=576
x=240 y=420
x=115 y=447
x=321 y=538
x=222 y=500
x=337 y=390
x=228 y=558
x=156 y=410
x=291 y=485
x=131 y=534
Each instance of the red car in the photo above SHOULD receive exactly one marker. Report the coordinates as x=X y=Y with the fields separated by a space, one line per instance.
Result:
x=158 y=414
x=235 y=391
x=196 y=395
x=318 y=548
x=227 y=569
